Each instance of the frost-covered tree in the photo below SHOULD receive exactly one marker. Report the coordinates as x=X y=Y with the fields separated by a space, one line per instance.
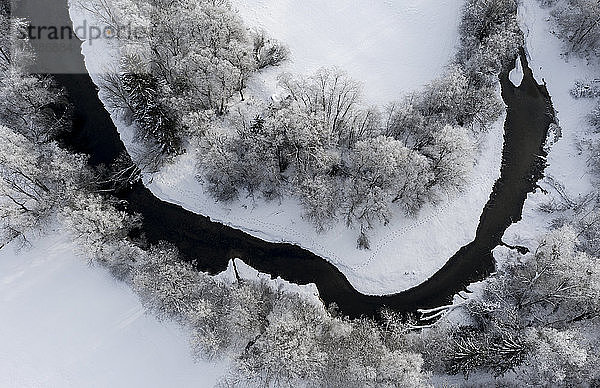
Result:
x=35 y=181
x=14 y=51
x=490 y=36
x=156 y=122
x=384 y=172
x=453 y=99
x=288 y=351
x=268 y=51
x=101 y=231
x=359 y=356
x=218 y=164
x=33 y=106
x=452 y=157
x=29 y=103
x=535 y=317
x=578 y=25
x=559 y=282
x=335 y=96
x=229 y=162
x=556 y=358
x=174 y=289
x=321 y=197
x=187 y=66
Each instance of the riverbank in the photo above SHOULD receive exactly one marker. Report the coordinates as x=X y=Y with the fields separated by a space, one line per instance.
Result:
x=567 y=171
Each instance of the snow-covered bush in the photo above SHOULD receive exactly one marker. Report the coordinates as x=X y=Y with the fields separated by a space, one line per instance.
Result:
x=586 y=89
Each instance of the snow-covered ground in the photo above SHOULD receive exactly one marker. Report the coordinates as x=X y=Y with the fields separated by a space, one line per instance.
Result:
x=393 y=47
x=567 y=164
x=66 y=324
x=404 y=253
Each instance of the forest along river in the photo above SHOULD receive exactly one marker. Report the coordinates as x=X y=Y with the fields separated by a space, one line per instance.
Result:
x=212 y=244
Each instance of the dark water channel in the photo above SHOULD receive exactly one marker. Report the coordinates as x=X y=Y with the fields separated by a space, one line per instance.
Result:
x=529 y=114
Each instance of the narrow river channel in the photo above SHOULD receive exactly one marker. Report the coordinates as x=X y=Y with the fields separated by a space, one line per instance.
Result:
x=529 y=114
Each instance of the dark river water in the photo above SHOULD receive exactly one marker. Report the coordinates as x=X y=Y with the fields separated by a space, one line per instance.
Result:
x=529 y=114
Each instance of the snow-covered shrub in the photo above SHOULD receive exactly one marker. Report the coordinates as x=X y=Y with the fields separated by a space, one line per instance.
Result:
x=33 y=106
x=594 y=118
x=586 y=89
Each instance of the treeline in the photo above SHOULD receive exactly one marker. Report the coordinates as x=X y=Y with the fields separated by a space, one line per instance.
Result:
x=322 y=143
x=577 y=22
x=536 y=320
x=37 y=177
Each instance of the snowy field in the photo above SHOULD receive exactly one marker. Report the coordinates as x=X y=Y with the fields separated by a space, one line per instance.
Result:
x=566 y=164
x=408 y=250
x=393 y=47
x=66 y=324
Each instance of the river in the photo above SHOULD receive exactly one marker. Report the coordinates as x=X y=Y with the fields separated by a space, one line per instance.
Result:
x=529 y=114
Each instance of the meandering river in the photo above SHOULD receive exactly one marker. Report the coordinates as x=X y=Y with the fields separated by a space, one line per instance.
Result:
x=529 y=114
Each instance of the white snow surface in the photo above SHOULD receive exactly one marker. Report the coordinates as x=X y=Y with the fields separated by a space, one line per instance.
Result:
x=404 y=253
x=66 y=324
x=393 y=47
x=567 y=164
